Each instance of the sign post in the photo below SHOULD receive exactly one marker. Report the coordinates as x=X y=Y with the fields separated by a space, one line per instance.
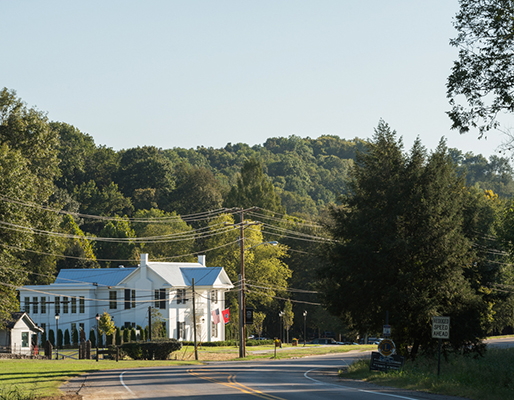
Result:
x=440 y=330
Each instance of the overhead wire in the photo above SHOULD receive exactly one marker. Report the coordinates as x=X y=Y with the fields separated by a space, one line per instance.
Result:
x=106 y=218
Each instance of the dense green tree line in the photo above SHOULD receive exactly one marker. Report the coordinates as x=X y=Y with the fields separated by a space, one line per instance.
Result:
x=70 y=203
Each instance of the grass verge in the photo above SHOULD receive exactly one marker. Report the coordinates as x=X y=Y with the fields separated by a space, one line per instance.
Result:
x=485 y=378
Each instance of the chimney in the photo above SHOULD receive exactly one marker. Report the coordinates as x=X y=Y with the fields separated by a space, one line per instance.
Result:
x=201 y=260
x=144 y=262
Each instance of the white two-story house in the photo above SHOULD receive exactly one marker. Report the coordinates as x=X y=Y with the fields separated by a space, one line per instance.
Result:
x=129 y=294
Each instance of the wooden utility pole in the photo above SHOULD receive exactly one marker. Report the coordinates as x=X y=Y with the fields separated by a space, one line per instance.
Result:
x=242 y=314
x=194 y=322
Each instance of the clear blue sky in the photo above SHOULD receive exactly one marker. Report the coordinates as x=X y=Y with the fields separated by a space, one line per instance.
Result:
x=205 y=73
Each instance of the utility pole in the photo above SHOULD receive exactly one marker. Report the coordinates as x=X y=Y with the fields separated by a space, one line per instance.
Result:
x=194 y=322
x=150 y=323
x=242 y=313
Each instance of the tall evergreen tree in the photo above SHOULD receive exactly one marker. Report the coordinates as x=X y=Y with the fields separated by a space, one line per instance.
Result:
x=400 y=247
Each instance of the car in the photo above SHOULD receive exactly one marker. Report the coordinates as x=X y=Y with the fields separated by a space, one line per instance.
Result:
x=324 y=341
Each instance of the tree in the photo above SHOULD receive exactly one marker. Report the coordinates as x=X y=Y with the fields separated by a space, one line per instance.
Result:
x=143 y=168
x=28 y=167
x=197 y=191
x=288 y=317
x=92 y=338
x=253 y=188
x=105 y=325
x=167 y=234
x=67 y=340
x=79 y=249
x=400 y=247
x=158 y=324
x=484 y=71
x=258 y=322
x=122 y=249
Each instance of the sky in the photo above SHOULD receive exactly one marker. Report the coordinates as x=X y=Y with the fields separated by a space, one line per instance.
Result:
x=195 y=73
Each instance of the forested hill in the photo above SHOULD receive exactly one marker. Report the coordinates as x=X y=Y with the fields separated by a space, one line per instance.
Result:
x=307 y=174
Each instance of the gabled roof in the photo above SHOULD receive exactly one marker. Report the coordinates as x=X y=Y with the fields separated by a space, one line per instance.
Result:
x=99 y=276
x=16 y=316
x=183 y=276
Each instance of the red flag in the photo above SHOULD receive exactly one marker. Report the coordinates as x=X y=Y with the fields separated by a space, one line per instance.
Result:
x=216 y=316
x=226 y=315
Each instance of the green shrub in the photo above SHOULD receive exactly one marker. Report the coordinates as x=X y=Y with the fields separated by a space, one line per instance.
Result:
x=67 y=338
x=158 y=350
x=126 y=335
x=92 y=337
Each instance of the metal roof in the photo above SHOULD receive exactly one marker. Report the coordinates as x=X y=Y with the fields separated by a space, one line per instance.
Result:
x=202 y=276
x=99 y=276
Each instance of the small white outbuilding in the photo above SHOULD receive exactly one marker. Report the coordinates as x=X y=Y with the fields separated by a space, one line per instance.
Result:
x=20 y=335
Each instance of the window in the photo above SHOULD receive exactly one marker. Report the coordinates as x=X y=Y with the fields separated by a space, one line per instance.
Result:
x=82 y=306
x=65 y=302
x=26 y=307
x=112 y=300
x=133 y=298
x=43 y=326
x=24 y=339
x=214 y=296
x=181 y=296
x=57 y=303
x=214 y=329
x=73 y=305
x=34 y=305
x=161 y=296
x=43 y=305
x=73 y=327
x=127 y=299
x=181 y=328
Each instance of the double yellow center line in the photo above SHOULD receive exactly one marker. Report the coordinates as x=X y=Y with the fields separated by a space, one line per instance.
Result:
x=231 y=382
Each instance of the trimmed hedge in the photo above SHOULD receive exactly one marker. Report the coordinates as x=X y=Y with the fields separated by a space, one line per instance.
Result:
x=155 y=350
x=230 y=343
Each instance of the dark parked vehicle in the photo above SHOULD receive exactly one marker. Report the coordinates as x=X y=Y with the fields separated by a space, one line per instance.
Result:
x=324 y=341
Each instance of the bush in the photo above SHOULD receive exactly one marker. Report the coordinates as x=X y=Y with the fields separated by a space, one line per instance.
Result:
x=126 y=335
x=67 y=338
x=92 y=337
x=118 y=337
x=75 y=337
x=132 y=335
x=158 y=350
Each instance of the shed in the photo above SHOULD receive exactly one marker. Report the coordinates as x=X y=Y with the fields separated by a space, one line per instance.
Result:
x=20 y=334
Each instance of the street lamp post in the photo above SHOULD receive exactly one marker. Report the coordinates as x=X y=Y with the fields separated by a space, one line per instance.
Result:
x=97 y=335
x=304 y=327
x=281 y=315
x=57 y=336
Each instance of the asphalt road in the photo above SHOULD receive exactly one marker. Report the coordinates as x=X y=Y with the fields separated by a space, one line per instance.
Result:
x=308 y=378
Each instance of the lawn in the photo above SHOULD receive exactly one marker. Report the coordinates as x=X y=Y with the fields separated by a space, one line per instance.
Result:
x=484 y=378
x=27 y=379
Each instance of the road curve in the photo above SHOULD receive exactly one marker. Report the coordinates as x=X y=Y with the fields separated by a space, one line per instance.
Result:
x=308 y=378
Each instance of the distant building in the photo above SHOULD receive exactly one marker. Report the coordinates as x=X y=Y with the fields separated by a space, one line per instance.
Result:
x=127 y=294
x=20 y=335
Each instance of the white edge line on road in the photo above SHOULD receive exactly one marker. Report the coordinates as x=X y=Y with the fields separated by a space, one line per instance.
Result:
x=359 y=390
x=123 y=383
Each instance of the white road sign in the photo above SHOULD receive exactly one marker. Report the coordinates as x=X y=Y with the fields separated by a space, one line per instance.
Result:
x=441 y=327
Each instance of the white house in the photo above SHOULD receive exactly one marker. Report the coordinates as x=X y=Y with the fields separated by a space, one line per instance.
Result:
x=128 y=294
x=20 y=335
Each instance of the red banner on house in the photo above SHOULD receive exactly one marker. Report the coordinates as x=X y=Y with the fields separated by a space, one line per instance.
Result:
x=226 y=315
